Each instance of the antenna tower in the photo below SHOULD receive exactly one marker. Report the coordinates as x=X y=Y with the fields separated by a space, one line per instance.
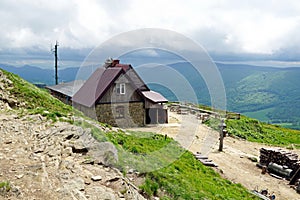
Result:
x=55 y=65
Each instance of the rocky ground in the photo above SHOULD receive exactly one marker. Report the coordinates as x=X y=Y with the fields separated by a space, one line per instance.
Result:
x=57 y=161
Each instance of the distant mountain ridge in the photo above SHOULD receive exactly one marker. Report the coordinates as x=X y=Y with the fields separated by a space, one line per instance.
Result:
x=38 y=75
x=266 y=93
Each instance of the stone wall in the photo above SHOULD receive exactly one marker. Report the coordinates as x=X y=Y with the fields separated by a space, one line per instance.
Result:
x=134 y=114
x=137 y=113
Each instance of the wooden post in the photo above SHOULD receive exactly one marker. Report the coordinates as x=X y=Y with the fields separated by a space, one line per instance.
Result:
x=295 y=177
x=221 y=126
x=157 y=116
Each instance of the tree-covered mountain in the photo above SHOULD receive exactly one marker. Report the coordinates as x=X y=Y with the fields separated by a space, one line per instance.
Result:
x=266 y=93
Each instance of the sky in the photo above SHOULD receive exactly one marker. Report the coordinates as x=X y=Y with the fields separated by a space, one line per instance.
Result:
x=230 y=30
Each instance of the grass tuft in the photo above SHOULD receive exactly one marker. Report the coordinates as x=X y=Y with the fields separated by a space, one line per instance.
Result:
x=5 y=187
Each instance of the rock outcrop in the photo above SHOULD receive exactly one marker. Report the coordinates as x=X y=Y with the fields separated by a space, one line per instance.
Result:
x=7 y=101
x=58 y=161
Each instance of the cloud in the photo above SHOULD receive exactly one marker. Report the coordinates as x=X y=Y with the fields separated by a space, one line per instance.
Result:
x=32 y=23
x=233 y=26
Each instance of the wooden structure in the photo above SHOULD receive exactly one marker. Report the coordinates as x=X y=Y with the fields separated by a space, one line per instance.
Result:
x=204 y=160
x=202 y=114
x=185 y=109
x=232 y=115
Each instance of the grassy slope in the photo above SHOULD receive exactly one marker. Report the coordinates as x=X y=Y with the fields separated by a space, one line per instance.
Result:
x=37 y=100
x=170 y=172
x=256 y=131
x=180 y=178
x=186 y=178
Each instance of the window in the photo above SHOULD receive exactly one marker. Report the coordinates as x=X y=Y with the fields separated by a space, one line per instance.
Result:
x=120 y=88
x=120 y=112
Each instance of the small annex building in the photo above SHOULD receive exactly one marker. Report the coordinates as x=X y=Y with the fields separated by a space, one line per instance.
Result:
x=114 y=94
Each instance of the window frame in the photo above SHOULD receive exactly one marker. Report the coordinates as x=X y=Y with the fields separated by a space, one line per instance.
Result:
x=122 y=88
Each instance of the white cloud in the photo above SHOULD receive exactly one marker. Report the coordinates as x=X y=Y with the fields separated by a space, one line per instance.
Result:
x=220 y=26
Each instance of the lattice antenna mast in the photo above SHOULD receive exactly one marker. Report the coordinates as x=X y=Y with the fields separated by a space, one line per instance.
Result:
x=55 y=64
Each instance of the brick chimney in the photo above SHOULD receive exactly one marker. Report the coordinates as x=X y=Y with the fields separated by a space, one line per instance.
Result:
x=115 y=62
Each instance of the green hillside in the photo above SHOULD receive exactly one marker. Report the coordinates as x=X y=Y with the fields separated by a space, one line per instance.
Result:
x=256 y=131
x=186 y=178
x=269 y=94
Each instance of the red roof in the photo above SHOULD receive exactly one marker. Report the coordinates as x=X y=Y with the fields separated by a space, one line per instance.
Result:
x=101 y=80
x=96 y=86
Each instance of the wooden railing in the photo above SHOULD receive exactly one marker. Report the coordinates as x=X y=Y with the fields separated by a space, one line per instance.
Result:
x=201 y=113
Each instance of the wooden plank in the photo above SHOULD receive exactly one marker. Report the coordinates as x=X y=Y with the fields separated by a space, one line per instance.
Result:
x=210 y=164
x=201 y=157
x=204 y=160
x=276 y=176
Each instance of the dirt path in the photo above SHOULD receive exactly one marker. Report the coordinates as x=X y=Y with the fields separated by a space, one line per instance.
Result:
x=234 y=163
